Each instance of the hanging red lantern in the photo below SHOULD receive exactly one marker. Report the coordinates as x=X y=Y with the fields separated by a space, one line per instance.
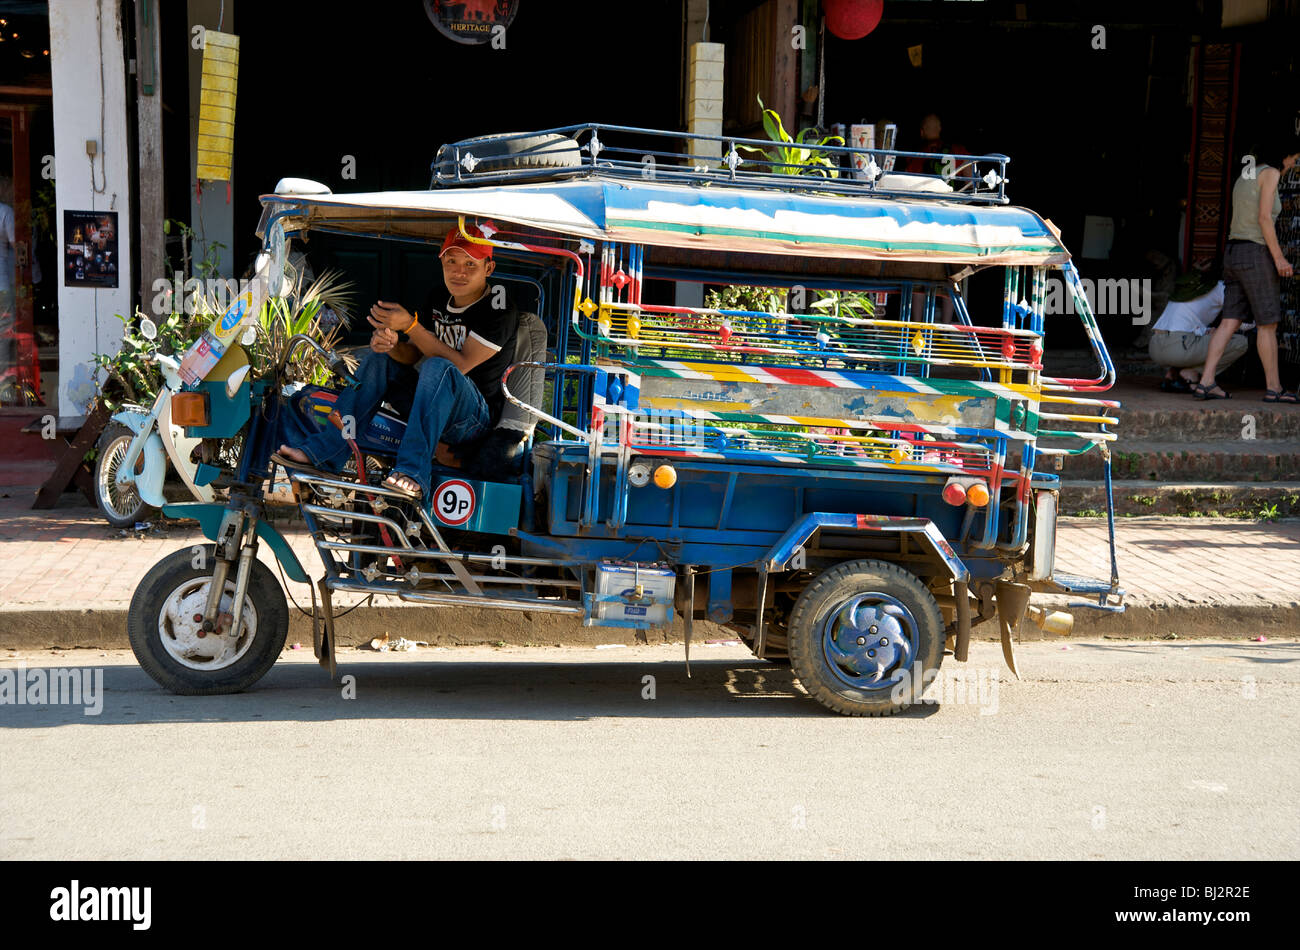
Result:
x=852 y=19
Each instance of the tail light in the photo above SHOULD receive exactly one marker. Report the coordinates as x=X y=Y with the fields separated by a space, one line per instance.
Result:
x=954 y=493
x=961 y=491
x=191 y=409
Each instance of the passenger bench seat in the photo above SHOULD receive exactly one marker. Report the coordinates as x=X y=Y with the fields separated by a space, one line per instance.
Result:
x=502 y=451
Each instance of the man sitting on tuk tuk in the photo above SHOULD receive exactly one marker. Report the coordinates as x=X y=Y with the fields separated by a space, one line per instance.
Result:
x=440 y=367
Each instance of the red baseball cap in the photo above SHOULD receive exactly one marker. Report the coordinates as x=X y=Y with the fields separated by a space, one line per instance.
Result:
x=455 y=239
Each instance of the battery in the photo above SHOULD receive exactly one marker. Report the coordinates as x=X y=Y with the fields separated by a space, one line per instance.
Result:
x=621 y=580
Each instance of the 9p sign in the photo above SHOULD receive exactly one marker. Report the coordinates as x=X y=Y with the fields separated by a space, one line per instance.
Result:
x=453 y=502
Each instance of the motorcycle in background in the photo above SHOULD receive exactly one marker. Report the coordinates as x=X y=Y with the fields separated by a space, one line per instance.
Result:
x=134 y=451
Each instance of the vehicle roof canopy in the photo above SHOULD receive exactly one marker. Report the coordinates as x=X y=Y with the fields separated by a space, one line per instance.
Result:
x=766 y=221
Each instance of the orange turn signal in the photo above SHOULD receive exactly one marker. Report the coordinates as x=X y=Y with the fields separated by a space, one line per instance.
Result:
x=665 y=476
x=978 y=494
x=191 y=409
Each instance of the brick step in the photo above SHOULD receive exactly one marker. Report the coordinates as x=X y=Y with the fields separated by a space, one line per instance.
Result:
x=1240 y=460
x=1228 y=420
x=1185 y=499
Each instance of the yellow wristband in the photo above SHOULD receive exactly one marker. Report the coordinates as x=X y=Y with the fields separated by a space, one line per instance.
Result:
x=414 y=320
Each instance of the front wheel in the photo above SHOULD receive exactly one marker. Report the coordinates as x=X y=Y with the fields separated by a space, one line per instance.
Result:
x=121 y=505
x=164 y=626
x=864 y=638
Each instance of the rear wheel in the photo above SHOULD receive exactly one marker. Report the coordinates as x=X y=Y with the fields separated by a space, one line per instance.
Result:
x=164 y=626
x=121 y=505
x=863 y=637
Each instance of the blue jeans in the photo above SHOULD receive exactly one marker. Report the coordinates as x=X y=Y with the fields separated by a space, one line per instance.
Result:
x=439 y=402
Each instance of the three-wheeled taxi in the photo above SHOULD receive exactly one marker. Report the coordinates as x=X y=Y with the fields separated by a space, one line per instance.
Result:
x=848 y=475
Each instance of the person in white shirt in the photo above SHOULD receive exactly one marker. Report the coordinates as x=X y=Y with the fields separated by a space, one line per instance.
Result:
x=1180 y=340
x=7 y=257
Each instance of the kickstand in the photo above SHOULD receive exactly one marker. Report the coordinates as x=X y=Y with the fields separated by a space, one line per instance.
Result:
x=688 y=615
x=327 y=610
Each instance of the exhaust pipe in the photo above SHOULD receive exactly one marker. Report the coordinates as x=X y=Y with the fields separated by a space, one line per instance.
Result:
x=1056 y=622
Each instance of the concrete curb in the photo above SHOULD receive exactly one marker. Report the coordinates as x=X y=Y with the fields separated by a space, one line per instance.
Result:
x=105 y=628
x=1185 y=621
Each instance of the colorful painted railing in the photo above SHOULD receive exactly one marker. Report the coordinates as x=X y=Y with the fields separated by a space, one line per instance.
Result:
x=854 y=444
x=629 y=330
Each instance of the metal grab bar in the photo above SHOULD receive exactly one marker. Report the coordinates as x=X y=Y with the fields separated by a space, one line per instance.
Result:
x=588 y=436
x=1107 y=378
x=425 y=554
x=457 y=600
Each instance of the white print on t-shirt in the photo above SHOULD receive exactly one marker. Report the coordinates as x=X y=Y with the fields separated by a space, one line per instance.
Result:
x=450 y=334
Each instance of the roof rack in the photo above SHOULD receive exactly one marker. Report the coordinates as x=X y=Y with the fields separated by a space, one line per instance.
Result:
x=655 y=155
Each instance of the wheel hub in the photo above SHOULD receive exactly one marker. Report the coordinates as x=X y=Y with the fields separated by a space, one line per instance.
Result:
x=180 y=627
x=870 y=640
x=119 y=494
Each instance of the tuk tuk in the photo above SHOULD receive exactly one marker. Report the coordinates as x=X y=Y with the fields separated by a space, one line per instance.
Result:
x=850 y=478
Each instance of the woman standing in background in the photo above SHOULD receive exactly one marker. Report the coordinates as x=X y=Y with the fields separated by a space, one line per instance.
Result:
x=1253 y=266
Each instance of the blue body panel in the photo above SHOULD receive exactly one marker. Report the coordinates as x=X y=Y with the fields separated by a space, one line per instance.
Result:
x=726 y=514
x=226 y=415
x=469 y=504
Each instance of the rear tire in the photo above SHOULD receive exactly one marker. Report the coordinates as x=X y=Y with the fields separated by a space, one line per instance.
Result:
x=164 y=636
x=858 y=634
x=121 y=505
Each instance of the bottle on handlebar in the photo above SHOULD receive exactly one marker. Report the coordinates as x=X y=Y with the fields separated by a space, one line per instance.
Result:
x=205 y=352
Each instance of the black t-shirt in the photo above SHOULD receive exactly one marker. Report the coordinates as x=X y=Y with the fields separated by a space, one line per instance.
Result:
x=493 y=327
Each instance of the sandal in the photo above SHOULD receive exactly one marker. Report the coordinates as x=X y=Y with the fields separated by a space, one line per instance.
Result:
x=292 y=465
x=1208 y=392
x=1178 y=385
x=403 y=485
x=1280 y=395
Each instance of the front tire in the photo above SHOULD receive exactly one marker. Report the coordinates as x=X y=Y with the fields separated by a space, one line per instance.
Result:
x=863 y=637
x=166 y=639
x=121 y=505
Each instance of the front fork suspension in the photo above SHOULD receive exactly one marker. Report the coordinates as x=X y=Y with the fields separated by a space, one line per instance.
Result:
x=229 y=548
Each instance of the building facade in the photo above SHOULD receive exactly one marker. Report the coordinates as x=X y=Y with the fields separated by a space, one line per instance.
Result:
x=1122 y=119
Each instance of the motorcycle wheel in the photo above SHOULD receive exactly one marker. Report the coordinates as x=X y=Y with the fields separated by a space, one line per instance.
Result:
x=121 y=505
x=169 y=644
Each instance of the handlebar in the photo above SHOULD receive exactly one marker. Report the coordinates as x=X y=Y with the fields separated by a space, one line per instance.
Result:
x=335 y=362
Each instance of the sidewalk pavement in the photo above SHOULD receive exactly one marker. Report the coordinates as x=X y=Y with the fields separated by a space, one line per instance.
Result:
x=66 y=579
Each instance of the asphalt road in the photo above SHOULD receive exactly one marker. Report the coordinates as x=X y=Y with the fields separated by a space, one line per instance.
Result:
x=1112 y=750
